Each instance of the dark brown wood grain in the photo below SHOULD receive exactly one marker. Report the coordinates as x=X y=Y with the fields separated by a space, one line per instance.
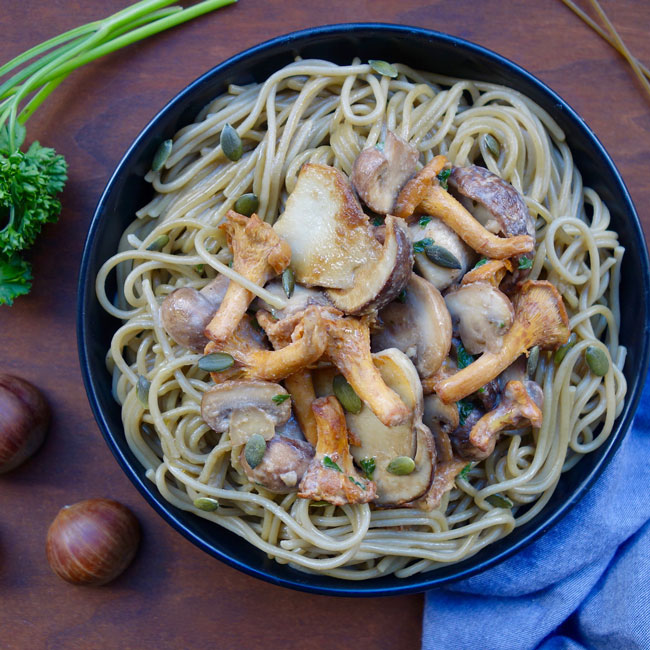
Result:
x=175 y=596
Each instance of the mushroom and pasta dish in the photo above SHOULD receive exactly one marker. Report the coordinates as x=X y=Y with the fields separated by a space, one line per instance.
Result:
x=368 y=318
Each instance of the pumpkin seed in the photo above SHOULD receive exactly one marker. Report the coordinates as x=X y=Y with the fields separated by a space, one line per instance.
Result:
x=383 y=68
x=288 y=282
x=247 y=204
x=231 y=143
x=499 y=501
x=533 y=360
x=345 y=394
x=442 y=257
x=216 y=362
x=401 y=466
x=254 y=450
x=161 y=155
x=158 y=243
x=492 y=144
x=142 y=390
x=597 y=361
x=206 y=503
x=563 y=349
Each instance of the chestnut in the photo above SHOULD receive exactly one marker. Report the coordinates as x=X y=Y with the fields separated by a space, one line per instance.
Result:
x=91 y=542
x=24 y=419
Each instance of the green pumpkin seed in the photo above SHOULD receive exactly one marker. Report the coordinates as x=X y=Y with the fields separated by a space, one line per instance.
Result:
x=533 y=360
x=254 y=450
x=401 y=466
x=597 y=360
x=161 y=155
x=158 y=243
x=383 y=68
x=499 y=501
x=142 y=390
x=216 y=362
x=563 y=349
x=345 y=394
x=231 y=143
x=206 y=503
x=288 y=282
x=247 y=204
x=492 y=144
x=442 y=257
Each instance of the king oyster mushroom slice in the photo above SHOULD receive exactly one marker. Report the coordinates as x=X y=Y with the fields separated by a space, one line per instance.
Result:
x=186 y=312
x=379 y=173
x=245 y=407
x=419 y=326
x=383 y=444
x=482 y=314
x=379 y=282
x=329 y=234
x=442 y=235
x=283 y=465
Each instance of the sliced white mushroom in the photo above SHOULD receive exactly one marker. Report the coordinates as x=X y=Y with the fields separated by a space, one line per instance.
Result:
x=301 y=298
x=418 y=324
x=244 y=408
x=482 y=314
x=441 y=235
x=329 y=234
x=380 y=172
x=379 y=282
x=186 y=312
x=381 y=444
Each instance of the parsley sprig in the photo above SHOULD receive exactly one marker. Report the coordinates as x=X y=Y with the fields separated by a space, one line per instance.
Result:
x=31 y=179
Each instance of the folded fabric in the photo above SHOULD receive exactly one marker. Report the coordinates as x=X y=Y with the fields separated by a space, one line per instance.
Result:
x=584 y=584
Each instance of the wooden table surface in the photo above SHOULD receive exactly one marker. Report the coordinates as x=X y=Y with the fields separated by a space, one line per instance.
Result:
x=173 y=595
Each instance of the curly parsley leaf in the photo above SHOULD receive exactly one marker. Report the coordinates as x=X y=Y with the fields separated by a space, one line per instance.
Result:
x=368 y=466
x=15 y=278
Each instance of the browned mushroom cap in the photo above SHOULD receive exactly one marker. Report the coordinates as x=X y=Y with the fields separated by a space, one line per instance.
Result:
x=283 y=465
x=425 y=194
x=540 y=319
x=379 y=282
x=258 y=255
x=503 y=208
x=332 y=476
x=519 y=403
x=482 y=315
x=419 y=325
x=186 y=312
x=379 y=173
x=329 y=234
x=243 y=408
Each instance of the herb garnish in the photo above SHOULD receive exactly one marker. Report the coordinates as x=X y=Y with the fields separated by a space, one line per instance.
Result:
x=420 y=246
x=465 y=407
x=463 y=357
x=424 y=221
x=278 y=399
x=368 y=466
x=525 y=263
x=482 y=261
x=330 y=464
x=443 y=177
x=361 y=485
x=465 y=471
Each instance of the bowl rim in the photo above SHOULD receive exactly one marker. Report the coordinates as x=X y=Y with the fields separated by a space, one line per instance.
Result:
x=299 y=581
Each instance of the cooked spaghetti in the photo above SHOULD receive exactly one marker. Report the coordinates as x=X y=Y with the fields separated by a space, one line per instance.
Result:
x=313 y=111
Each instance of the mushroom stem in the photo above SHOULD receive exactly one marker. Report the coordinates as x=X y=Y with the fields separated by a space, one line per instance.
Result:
x=418 y=187
x=301 y=388
x=441 y=204
x=258 y=254
x=540 y=319
x=349 y=349
x=516 y=406
x=332 y=476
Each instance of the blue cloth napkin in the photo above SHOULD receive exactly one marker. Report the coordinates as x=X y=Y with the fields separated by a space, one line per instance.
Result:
x=585 y=584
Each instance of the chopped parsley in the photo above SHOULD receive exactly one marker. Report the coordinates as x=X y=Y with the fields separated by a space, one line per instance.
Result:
x=463 y=357
x=368 y=466
x=525 y=263
x=278 y=399
x=465 y=407
x=420 y=246
x=424 y=221
x=482 y=261
x=465 y=471
x=330 y=464
x=361 y=485
x=378 y=221
x=443 y=177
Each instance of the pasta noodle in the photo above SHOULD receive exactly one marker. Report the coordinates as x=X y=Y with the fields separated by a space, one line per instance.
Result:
x=316 y=111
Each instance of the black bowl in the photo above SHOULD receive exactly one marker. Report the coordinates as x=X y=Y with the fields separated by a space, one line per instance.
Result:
x=126 y=192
